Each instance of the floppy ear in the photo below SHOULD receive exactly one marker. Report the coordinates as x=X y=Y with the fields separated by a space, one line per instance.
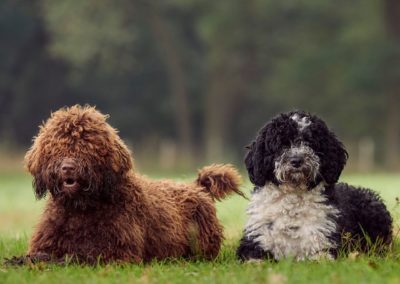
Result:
x=333 y=156
x=31 y=159
x=248 y=161
x=334 y=159
x=33 y=165
x=257 y=160
x=121 y=160
x=39 y=186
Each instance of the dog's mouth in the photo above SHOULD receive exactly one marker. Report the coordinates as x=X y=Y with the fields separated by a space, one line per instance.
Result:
x=296 y=177
x=304 y=171
x=70 y=184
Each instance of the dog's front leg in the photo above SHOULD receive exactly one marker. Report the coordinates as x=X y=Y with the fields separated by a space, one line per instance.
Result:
x=249 y=250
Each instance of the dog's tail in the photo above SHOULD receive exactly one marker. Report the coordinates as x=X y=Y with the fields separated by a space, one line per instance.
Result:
x=220 y=180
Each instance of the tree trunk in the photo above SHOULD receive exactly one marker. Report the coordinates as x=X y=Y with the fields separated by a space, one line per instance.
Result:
x=228 y=86
x=392 y=131
x=217 y=101
x=170 y=54
x=231 y=78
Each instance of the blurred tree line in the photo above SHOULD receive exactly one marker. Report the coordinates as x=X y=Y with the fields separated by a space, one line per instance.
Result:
x=194 y=79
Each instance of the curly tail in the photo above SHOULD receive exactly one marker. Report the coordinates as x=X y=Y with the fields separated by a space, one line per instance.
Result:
x=220 y=180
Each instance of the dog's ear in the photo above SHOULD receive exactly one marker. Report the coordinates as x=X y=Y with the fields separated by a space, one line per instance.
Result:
x=121 y=160
x=334 y=159
x=39 y=186
x=249 y=162
x=333 y=155
x=257 y=161
x=33 y=164
x=31 y=159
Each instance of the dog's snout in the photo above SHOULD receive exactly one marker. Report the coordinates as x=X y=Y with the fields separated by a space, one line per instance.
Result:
x=296 y=161
x=69 y=179
x=68 y=166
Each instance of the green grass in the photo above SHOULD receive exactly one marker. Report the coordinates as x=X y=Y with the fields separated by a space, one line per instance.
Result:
x=19 y=211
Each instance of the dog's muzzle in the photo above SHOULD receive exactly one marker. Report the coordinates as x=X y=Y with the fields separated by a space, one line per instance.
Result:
x=69 y=177
x=297 y=166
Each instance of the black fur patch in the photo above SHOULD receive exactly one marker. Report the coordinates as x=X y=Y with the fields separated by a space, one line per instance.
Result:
x=249 y=249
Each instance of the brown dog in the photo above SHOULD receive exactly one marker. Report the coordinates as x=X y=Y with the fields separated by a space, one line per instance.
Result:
x=100 y=209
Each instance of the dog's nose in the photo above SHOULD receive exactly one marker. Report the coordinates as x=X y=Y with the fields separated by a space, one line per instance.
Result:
x=296 y=161
x=68 y=166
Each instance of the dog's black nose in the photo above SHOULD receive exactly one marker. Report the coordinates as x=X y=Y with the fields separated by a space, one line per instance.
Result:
x=296 y=161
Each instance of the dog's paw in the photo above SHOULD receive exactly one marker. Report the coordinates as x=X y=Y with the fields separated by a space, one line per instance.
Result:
x=27 y=259
x=15 y=261
x=322 y=256
x=255 y=260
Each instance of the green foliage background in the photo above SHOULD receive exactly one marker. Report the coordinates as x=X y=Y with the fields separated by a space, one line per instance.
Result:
x=203 y=74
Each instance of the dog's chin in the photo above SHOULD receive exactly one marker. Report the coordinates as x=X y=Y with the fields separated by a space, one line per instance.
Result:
x=295 y=180
x=74 y=197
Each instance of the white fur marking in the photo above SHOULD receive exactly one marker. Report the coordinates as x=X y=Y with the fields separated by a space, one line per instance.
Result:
x=301 y=122
x=290 y=222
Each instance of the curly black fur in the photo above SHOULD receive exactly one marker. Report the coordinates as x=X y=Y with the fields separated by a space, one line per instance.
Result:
x=363 y=222
x=362 y=219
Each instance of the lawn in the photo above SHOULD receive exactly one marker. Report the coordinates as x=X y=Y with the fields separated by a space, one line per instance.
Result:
x=19 y=212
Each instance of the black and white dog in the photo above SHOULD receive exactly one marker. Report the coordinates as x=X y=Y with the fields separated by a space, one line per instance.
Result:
x=297 y=209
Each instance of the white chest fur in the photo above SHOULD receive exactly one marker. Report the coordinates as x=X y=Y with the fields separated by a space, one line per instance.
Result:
x=291 y=223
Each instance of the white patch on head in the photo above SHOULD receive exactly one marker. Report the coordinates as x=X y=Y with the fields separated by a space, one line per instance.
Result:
x=291 y=222
x=302 y=123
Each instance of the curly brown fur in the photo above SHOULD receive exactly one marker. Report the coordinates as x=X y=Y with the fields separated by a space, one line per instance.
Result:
x=99 y=209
